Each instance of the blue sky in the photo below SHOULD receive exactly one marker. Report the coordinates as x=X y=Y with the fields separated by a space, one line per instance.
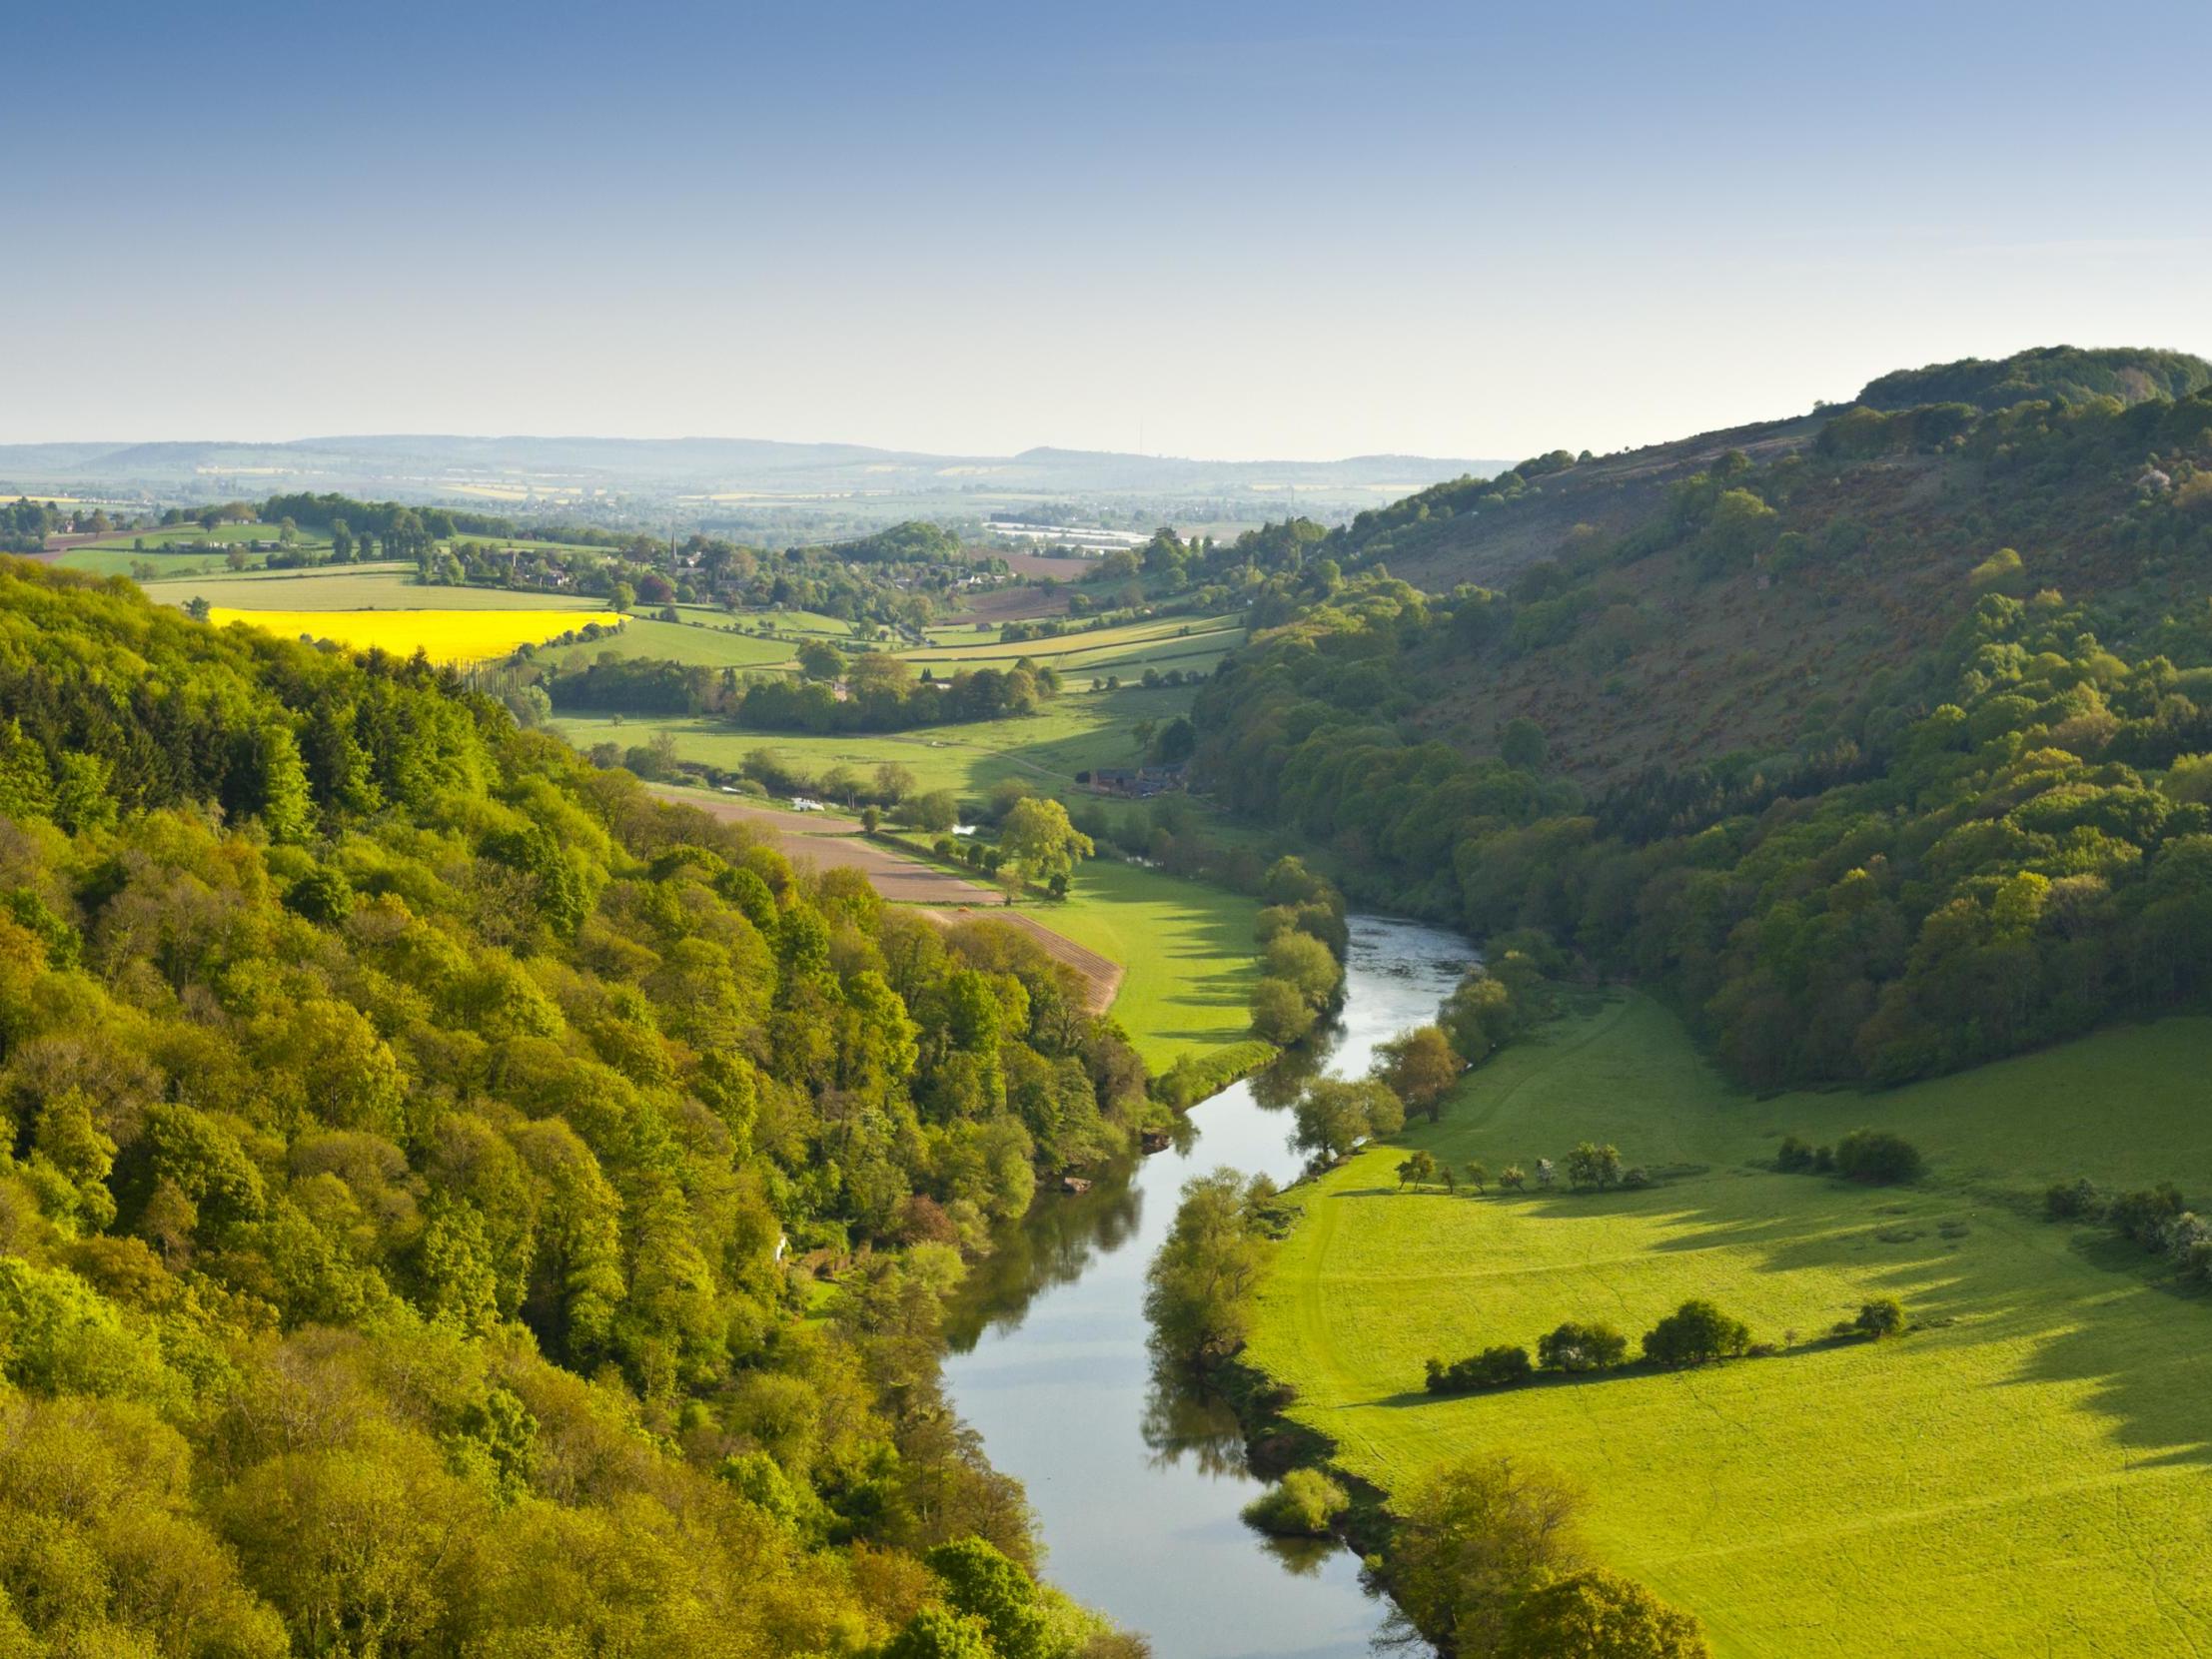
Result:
x=1231 y=230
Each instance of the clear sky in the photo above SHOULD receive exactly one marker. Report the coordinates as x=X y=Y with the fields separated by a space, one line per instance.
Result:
x=1245 y=230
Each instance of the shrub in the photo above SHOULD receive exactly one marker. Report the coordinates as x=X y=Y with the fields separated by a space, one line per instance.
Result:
x=1598 y=1612
x=1575 y=1348
x=1496 y=1368
x=1301 y=1505
x=2073 y=1200
x=2143 y=1215
x=1694 y=1333
x=1883 y=1317
x=1876 y=1158
x=1635 y=1178
x=1793 y=1157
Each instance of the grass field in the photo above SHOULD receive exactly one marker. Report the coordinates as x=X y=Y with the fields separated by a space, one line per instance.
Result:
x=651 y=640
x=1188 y=643
x=458 y=636
x=2026 y=1473
x=117 y=561
x=1187 y=949
x=1077 y=731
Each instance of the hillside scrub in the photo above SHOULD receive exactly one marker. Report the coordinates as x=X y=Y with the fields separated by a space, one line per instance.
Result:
x=1996 y=847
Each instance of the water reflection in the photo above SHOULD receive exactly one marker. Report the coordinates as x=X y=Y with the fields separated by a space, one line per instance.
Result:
x=1137 y=1479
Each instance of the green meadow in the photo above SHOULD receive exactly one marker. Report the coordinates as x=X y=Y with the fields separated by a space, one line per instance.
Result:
x=1186 y=948
x=1076 y=732
x=384 y=586
x=2012 y=1476
x=708 y=645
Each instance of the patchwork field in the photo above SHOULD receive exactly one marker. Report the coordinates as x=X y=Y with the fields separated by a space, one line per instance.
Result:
x=2024 y=1473
x=456 y=637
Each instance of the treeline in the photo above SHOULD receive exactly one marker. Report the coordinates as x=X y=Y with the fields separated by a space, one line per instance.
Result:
x=412 y=1138
x=880 y=693
x=2002 y=848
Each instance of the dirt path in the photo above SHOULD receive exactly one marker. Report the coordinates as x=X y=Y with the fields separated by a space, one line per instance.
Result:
x=817 y=838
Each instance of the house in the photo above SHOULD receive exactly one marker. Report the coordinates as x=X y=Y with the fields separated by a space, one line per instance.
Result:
x=1138 y=783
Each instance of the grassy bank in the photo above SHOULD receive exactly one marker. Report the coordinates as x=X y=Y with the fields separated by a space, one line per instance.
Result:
x=2025 y=1472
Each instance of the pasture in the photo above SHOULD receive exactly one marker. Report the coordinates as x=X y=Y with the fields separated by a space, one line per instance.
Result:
x=1077 y=731
x=1187 y=948
x=2025 y=1472
x=455 y=637
x=362 y=587
x=694 y=644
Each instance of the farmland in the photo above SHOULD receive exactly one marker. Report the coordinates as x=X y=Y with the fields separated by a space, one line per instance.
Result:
x=1076 y=732
x=456 y=636
x=2015 y=1472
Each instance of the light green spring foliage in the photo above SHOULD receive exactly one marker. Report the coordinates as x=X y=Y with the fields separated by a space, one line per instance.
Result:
x=402 y=1122
x=1300 y=1505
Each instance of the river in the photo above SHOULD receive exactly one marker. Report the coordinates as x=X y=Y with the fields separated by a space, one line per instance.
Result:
x=1138 y=1495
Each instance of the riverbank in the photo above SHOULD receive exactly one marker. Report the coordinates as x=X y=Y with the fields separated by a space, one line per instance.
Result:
x=1137 y=1488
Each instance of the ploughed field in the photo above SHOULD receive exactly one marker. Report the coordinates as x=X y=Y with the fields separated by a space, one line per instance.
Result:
x=2026 y=1471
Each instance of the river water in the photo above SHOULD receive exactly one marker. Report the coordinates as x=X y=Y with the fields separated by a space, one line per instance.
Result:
x=1137 y=1493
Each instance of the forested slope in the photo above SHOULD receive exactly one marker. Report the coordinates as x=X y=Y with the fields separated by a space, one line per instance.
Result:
x=1880 y=756
x=404 y=1125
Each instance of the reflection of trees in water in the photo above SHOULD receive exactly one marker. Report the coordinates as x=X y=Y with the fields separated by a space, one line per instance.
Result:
x=1276 y=1086
x=1182 y=1416
x=1053 y=1244
x=1300 y=1557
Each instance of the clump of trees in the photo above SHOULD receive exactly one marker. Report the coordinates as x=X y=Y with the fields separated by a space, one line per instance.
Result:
x=1873 y=1158
x=1303 y=1504
x=1302 y=938
x=2155 y=1218
x=1575 y=1349
x=1494 y=1368
x=1488 y=1557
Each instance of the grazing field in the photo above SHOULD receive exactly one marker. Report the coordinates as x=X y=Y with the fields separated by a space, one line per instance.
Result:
x=2027 y=1472
x=1077 y=731
x=117 y=561
x=456 y=637
x=1191 y=644
x=656 y=641
x=1188 y=948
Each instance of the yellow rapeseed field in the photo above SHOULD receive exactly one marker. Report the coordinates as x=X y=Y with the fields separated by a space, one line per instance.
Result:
x=447 y=636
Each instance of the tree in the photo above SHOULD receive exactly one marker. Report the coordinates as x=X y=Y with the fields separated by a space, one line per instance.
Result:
x=1334 y=1116
x=1577 y=1349
x=1477 y=1175
x=1278 y=1014
x=1038 y=833
x=1418 y=1169
x=936 y=1633
x=1476 y=1537
x=1513 y=1178
x=1598 y=1615
x=935 y=812
x=1420 y=1068
x=982 y=1584
x=1521 y=744
x=1301 y=1505
x=1299 y=960
x=1694 y=1334
x=818 y=661
x=1494 y=1368
x=1591 y=1164
x=1198 y=1288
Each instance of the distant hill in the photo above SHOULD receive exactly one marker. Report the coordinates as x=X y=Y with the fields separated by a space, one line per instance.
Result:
x=707 y=474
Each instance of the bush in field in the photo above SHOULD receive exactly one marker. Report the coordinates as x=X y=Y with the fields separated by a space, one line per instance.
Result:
x=1577 y=1349
x=1591 y=1164
x=1300 y=1505
x=1876 y=1158
x=2073 y=1200
x=1793 y=1157
x=1883 y=1317
x=1494 y=1368
x=1694 y=1334
x=2143 y=1214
